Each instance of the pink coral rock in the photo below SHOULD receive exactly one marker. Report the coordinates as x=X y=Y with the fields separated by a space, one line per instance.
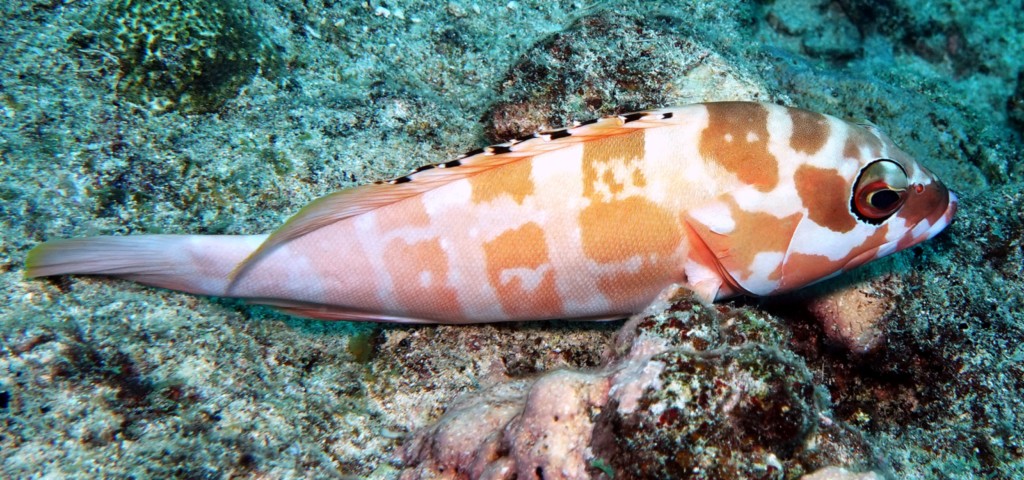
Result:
x=690 y=391
x=512 y=432
x=852 y=316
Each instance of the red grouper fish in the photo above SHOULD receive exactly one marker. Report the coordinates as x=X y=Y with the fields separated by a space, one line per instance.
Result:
x=588 y=222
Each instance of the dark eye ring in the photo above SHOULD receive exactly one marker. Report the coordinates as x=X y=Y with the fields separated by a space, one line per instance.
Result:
x=879 y=192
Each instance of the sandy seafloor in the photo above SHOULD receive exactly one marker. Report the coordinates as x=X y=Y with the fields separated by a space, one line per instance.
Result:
x=107 y=379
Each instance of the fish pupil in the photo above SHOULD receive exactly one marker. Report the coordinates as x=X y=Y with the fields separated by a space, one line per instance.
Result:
x=884 y=199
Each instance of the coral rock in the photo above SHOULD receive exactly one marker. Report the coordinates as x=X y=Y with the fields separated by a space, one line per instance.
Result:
x=178 y=54
x=692 y=392
x=852 y=316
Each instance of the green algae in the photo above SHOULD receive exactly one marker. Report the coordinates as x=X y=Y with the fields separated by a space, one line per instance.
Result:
x=177 y=54
x=363 y=345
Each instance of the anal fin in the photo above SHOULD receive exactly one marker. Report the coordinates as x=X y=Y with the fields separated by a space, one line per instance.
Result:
x=330 y=312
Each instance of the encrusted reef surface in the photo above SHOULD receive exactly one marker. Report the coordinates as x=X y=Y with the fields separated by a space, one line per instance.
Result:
x=687 y=391
x=228 y=116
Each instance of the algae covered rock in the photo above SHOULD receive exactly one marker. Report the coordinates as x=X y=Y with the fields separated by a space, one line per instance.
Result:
x=610 y=63
x=733 y=413
x=190 y=55
x=688 y=392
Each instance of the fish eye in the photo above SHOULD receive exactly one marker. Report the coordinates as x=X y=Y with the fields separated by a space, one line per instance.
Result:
x=879 y=192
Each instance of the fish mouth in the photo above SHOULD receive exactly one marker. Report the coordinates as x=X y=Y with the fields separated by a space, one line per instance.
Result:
x=931 y=223
x=946 y=219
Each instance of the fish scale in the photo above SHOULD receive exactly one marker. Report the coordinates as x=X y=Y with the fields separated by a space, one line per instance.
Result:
x=588 y=222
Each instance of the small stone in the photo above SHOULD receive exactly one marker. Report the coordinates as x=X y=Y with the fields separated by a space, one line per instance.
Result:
x=456 y=10
x=852 y=316
x=837 y=473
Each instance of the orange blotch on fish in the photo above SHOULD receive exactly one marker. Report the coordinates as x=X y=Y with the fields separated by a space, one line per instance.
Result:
x=519 y=270
x=614 y=186
x=737 y=139
x=826 y=195
x=810 y=131
x=619 y=230
x=801 y=269
x=866 y=250
x=419 y=273
x=630 y=290
x=639 y=180
x=875 y=239
x=773 y=235
x=603 y=154
x=512 y=180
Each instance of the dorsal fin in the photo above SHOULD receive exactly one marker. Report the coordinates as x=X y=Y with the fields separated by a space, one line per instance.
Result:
x=354 y=201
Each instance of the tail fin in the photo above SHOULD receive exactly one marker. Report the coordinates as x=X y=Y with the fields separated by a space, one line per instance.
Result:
x=190 y=263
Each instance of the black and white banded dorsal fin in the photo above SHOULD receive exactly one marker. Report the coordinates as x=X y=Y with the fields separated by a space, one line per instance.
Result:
x=540 y=142
x=347 y=203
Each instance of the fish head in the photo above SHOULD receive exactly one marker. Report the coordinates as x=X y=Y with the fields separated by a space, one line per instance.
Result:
x=885 y=202
x=853 y=198
x=899 y=195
